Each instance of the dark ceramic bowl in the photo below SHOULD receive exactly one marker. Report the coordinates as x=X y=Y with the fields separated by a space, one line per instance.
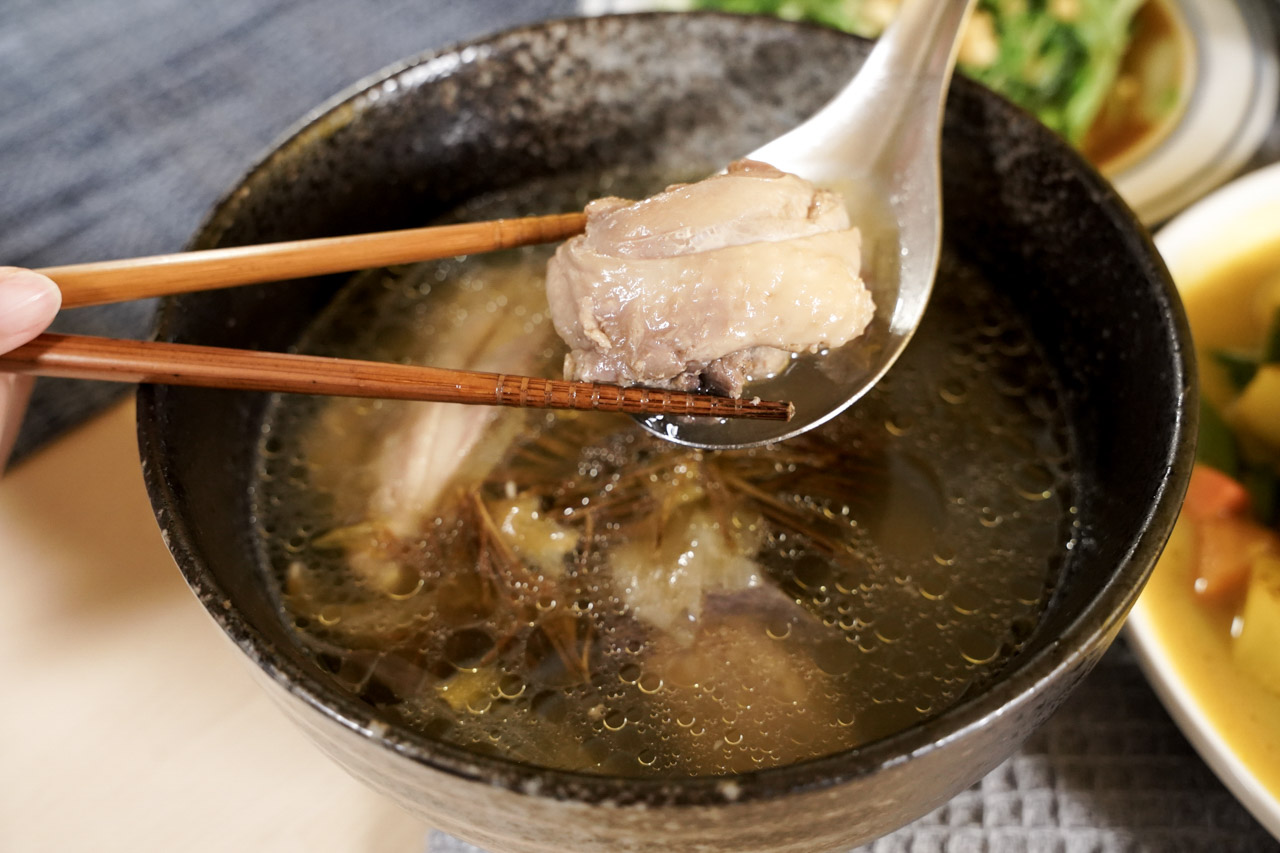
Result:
x=664 y=90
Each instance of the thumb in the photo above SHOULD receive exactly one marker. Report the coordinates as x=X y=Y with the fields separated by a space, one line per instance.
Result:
x=28 y=303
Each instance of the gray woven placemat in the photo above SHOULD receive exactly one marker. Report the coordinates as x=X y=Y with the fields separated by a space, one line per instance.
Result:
x=124 y=121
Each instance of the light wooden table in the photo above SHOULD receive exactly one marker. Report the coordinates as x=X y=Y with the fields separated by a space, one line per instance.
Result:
x=127 y=722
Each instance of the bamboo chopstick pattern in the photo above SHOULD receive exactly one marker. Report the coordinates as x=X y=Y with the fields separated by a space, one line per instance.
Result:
x=86 y=357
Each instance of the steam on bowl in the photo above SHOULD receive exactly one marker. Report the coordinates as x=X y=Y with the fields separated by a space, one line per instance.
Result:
x=664 y=94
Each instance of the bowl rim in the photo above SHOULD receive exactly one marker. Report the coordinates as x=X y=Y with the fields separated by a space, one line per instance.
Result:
x=1019 y=685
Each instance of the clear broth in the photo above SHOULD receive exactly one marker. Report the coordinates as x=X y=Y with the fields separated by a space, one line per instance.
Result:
x=895 y=559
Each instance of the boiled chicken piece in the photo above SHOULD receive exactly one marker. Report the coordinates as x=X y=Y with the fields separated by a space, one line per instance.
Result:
x=742 y=699
x=708 y=284
x=419 y=451
x=439 y=444
x=665 y=583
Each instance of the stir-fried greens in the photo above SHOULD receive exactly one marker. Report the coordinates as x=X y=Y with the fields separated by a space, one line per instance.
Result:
x=1056 y=58
x=1250 y=452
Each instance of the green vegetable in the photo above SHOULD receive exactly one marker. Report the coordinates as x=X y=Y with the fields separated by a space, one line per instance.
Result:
x=1256 y=412
x=1060 y=68
x=1216 y=446
x=1271 y=343
x=1240 y=367
x=1261 y=483
x=1251 y=456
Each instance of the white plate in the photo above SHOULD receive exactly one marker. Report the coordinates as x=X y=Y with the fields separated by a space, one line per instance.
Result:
x=1240 y=217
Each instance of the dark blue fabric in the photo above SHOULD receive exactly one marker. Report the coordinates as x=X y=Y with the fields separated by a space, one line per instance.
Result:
x=125 y=120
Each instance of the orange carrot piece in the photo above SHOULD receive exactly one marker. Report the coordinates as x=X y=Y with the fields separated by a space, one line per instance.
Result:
x=1213 y=494
x=1226 y=549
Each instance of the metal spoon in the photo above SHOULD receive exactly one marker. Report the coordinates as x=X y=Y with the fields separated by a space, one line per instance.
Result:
x=877 y=142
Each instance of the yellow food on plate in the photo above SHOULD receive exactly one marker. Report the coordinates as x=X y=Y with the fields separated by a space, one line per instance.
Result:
x=1259 y=641
x=1214 y=600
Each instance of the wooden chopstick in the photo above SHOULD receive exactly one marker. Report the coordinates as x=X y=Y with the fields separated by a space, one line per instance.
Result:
x=185 y=272
x=85 y=357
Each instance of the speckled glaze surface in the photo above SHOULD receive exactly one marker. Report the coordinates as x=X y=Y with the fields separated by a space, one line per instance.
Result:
x=666 y=90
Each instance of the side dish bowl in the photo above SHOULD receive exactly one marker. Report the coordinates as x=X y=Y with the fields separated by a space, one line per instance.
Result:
x=1181 y=659
x=669 y=91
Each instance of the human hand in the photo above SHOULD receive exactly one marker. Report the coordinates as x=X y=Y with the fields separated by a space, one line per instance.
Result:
x=28 y=303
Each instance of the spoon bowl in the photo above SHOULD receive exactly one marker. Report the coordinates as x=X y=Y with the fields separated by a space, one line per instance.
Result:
x=877 y=142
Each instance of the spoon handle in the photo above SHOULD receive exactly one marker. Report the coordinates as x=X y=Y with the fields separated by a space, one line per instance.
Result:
x=891 y=108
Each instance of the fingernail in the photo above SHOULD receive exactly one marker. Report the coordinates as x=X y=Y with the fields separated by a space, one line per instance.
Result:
x=28 y=302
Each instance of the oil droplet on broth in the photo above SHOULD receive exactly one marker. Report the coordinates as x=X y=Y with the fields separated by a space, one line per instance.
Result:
x=811 y=572
x=835 y=657
x=880 y=596
x=511 y=686
x=933 y=585
x=967 y=599
x=1027 y=590
x=977 y=646
x=899 y=424
x=778 y=629
x=649 y=683
x=1033 y=481
x=466 y=649
x=890 y=628
x=953 y=391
